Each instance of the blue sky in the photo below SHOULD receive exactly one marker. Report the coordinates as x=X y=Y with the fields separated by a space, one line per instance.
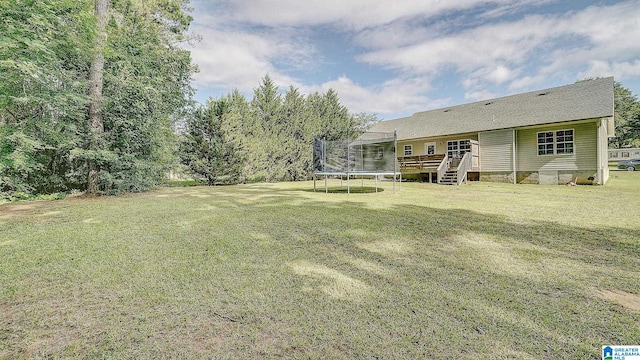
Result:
x=398 y=57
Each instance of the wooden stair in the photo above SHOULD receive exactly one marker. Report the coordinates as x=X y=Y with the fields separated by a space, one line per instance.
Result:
x=450 y=177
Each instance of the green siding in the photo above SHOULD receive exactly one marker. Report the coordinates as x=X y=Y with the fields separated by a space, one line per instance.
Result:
x=496 y=152
x=585 y=156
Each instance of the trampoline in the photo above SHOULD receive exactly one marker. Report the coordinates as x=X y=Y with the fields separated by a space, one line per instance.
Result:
x=372 y=154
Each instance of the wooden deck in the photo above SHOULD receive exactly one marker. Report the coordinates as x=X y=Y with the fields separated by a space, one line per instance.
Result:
x=420 y=164
x=438 y=167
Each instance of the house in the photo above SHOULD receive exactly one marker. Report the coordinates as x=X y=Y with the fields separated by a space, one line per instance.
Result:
x=616 y=155
x=551 y=136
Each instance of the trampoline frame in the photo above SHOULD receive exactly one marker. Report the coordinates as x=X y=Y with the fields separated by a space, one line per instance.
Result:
x=376 y=174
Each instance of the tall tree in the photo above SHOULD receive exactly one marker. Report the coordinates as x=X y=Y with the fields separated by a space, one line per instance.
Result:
x=296 y=136
x=90 y=92
x=96 y=124
x=43 y=101
x=207 y=150
x=146 y=89
x=364 y=121
x=266 y=106
x=272 y=135
x=627 y=118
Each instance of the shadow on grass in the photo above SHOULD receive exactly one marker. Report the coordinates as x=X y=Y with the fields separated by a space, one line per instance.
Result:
x=312 y=279
x=345 y=190
x=529 y=283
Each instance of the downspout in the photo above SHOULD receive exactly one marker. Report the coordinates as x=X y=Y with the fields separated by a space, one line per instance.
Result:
x=395 y=159
x=599 y=152
x=515 y=157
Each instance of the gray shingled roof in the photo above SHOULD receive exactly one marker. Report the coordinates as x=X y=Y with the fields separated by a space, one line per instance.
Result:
x=583 y=100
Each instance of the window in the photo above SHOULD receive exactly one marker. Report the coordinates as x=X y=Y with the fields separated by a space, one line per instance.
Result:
x=465 y=146
x=452 y=149
x=545 y=143
x=457 y=148
x=555 y=142
x=564 y=142
x=408 y=150
x=430 y=148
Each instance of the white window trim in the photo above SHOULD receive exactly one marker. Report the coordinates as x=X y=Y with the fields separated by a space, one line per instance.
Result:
x=410 y=148
x=459 y=149
x=426 y=147
x=555 y=143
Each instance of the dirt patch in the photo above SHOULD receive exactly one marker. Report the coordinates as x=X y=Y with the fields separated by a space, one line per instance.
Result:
x=622 y=298
x=8 y=211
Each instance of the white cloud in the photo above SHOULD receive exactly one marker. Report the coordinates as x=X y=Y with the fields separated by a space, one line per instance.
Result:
x=354 y=14
x=240 y=59
x=609 y=46
x=415 y=42
x=525 y=82
x=603 y=38
x=501 y=74
x=479 y=95
x=393 y=96
x=602 y=68
x=469 y=50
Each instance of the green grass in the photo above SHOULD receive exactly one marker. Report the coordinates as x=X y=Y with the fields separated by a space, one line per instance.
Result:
x=482 y=270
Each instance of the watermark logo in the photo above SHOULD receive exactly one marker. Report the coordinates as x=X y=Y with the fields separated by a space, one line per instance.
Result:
x=623 y=352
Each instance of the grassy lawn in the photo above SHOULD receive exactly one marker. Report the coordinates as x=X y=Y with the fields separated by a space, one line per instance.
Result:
x=277 y=271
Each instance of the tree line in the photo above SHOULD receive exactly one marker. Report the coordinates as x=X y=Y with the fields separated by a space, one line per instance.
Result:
x=94 y=91
x=96 y=97
x=89 y=94
x=270 y=138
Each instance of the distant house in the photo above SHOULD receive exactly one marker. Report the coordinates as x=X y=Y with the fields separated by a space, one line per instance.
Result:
x=551 y=136
x=616 y=155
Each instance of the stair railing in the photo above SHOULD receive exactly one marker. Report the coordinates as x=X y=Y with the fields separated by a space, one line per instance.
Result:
x=463 y=167
x=442 y=168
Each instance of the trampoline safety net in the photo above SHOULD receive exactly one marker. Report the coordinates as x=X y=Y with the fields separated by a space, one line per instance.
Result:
x=371 y=153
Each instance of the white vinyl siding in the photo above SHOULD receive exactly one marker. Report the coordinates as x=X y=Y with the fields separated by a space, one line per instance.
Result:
x=584 y=156
x=496 y=150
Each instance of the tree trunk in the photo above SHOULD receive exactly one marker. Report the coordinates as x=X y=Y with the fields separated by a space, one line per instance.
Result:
x=96 y=126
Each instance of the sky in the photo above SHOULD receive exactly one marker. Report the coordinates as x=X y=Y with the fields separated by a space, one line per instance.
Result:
x=397 y=57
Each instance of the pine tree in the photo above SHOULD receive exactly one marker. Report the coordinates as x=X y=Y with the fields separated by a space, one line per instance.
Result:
x=207 y=149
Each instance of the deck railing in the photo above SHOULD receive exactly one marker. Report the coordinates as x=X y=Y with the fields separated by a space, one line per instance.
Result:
x=419 y=163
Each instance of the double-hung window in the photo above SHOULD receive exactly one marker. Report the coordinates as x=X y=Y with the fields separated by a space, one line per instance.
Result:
x=559 y=142
x=408 y=150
